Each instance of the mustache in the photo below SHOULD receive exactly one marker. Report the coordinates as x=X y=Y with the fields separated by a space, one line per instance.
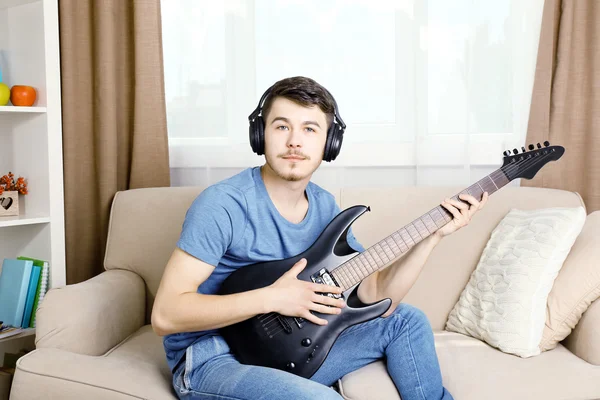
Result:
x=295 y=154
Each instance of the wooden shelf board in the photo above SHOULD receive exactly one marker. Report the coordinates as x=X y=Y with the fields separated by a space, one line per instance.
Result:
x=23 y=220
x=27 y=332
x=15 y=109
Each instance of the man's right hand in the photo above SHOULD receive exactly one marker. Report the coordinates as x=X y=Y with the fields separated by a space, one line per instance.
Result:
x=297 y=298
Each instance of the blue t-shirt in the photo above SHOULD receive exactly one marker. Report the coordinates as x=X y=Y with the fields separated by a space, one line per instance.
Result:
x=234 y=223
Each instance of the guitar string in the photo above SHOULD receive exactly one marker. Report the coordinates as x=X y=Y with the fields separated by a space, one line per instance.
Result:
x=271 y=315
x=273 y=330
x=264 y=316
x=275 y=333
x=271 y=323
x=268 y=326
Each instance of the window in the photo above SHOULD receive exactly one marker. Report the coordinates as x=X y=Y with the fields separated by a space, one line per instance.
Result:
x=418 y=82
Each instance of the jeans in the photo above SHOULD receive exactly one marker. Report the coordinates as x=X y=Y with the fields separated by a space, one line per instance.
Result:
x=404 y=340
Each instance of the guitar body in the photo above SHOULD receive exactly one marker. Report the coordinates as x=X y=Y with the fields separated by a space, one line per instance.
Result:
x=293 y=344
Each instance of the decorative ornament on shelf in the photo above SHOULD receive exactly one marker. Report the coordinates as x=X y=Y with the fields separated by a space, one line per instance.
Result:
x=4 y=92
x=10 y=189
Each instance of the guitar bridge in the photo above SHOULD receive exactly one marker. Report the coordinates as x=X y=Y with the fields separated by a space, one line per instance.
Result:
x=324 y=277
x=273 y=324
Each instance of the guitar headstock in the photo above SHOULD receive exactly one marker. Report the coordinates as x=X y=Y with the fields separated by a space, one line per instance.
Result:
x=527 y=163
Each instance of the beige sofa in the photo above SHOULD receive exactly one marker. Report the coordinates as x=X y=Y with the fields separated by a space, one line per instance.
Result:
x=94 y=340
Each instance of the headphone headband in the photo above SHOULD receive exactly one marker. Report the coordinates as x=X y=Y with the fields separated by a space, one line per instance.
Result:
x=261 y=102
x=258 y=110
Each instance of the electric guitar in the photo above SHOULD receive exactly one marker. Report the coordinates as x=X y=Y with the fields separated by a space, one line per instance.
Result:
x=298 y=346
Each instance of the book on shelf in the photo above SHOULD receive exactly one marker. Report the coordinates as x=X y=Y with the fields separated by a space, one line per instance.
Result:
x=41 y=288
x=14 y=284
x=23 y=285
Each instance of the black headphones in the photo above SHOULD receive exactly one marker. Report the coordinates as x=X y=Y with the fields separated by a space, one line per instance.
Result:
x=335 y=133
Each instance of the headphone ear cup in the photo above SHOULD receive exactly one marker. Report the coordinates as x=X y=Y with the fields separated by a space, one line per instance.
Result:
x=327 y=152
x=252 y=136
x=256 y=133
x=259 y=128
x=334 y=143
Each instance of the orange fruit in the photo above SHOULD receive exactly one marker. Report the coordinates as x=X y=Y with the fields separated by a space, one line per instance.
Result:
x=22 y=95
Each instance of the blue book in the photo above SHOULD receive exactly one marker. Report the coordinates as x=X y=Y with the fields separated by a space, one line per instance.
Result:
x=14 y=284
x=33 y=283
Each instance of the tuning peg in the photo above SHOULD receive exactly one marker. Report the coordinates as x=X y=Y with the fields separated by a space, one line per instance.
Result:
x=507 y=153
x=546 y=143
x=515 y=151
x=539 y=146
x=531 y=147
x=523 y=149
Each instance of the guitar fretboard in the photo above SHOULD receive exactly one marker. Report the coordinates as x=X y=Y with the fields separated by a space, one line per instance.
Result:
x=398 y=243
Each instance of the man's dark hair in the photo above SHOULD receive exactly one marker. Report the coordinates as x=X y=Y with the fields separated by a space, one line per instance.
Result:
x=303 y=91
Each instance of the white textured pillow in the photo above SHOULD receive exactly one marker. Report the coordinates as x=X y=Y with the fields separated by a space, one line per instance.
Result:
x=504 y=303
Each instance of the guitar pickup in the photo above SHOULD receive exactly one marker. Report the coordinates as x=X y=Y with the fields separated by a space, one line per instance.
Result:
x=323 y=277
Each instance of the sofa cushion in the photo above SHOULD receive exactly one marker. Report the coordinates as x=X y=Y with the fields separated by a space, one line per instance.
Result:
x=576 y=287
x=504 y=303
x=136 y=368
x=473 y=370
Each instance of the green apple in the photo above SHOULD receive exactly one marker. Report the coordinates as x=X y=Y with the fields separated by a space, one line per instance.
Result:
x=4 y=94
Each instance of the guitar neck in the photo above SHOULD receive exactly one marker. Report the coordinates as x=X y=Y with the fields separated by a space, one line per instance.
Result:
x=391 y=248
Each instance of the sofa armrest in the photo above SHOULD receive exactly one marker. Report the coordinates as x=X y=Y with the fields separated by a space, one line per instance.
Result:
x=92 y=317
x=583 y=340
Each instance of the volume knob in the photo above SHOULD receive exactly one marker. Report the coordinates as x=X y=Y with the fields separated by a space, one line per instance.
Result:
x=306 y=342
x=290 y=366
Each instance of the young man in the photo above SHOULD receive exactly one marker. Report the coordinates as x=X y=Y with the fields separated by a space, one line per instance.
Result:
x=274 y=212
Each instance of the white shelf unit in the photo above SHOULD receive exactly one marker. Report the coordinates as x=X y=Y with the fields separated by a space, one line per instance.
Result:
x=31 y=137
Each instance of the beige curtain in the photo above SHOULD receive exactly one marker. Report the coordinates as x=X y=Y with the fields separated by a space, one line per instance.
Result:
x=565 y=106
x=114 y=118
